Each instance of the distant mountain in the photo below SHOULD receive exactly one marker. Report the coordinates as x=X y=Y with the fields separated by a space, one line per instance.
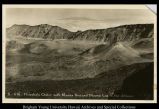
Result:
x=121 y=33
x=78 y=18
x=43 y=31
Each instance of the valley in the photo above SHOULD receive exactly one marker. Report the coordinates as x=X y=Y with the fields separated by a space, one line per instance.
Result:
x=53 y=60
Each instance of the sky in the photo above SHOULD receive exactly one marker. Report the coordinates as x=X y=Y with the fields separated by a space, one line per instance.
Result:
x=77 y=19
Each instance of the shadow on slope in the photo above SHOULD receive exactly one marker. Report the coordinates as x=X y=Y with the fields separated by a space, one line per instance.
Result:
x=140 y=84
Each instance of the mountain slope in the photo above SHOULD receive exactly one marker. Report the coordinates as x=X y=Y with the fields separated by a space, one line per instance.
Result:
x=106 y=83
x=116 y=52
x=43 y=31
x=121 y=33
x=140 y=83
x=144 y=43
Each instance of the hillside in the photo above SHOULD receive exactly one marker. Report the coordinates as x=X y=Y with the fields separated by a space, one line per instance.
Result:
x=108 y=83
x=140 y=83
x=144 y=43
x=121 y=33
x=40 y=61
x=117 y=52
x=43 y=31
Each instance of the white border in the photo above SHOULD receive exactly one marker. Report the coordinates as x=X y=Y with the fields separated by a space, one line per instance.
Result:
x=78 y=6
x=5 y=100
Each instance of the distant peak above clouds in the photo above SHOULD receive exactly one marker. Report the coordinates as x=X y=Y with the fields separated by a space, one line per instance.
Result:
x=78 y=18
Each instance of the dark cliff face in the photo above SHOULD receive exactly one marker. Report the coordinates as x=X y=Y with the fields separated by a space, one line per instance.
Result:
x=120 y=33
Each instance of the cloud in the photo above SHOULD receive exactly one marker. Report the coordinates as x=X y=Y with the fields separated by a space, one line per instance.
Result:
x=79 y=18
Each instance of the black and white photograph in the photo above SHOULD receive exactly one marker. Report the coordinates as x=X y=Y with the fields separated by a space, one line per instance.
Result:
x=104 y=53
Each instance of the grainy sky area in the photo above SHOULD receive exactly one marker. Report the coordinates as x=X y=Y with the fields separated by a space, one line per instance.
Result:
x=78 y=19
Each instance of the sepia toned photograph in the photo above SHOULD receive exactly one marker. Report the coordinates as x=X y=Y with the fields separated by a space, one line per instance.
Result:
x=97 y=53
